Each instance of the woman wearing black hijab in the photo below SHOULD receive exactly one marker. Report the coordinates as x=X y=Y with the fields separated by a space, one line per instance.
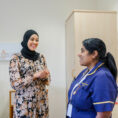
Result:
x=29 y=77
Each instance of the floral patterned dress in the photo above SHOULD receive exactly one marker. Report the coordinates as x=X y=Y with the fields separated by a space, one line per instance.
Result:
x=31 y=96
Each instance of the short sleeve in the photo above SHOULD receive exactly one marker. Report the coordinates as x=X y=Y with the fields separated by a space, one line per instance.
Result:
x=104 y=92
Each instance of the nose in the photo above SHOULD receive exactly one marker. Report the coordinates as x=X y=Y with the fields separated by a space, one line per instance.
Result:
x=79 y=54
x=35 y=42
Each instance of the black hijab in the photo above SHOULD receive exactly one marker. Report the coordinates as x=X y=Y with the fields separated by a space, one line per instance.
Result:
x=31 y=55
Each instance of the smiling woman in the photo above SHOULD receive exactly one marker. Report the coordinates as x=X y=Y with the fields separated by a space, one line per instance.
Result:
x=29 y=77
x=33 y=42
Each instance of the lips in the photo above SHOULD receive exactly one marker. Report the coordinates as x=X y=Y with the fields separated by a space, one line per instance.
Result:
x=33 y=46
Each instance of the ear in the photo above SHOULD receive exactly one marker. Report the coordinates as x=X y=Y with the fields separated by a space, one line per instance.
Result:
x=95 y=54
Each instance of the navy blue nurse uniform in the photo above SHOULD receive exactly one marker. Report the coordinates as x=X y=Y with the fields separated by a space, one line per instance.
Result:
x=97 y=93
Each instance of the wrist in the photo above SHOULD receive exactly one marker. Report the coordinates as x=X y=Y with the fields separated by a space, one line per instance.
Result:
x=34 y=77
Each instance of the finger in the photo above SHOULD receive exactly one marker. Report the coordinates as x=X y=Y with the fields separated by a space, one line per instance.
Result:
x=46 y=71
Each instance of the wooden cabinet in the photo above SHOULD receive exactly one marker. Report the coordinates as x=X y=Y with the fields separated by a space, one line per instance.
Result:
x=81 y=25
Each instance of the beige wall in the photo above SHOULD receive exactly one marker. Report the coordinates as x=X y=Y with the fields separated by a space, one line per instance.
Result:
x=48 y=18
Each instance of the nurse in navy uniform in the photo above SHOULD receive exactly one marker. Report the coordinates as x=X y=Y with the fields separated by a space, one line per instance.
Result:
x=93 y=93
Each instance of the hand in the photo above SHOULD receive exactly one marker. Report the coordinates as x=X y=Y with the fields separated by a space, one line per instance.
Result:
x=44 y=74
x=41 y=74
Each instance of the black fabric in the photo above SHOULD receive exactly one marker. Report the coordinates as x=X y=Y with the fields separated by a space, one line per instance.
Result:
x=31 y=55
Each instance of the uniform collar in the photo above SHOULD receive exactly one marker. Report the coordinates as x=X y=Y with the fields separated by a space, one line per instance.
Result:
x=95 y=68
x=92 y=72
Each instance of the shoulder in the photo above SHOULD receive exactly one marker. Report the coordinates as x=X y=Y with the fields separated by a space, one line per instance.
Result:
x=104 y=72
x=41 y=55
x=104 y=76
x=42 y=58
x=16 y=56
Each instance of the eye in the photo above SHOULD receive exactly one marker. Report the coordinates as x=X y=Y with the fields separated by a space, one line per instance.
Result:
x=37 y=40
x=32 y=39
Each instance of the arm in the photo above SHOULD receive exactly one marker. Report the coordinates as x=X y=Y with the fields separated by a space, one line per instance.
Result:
x=104 y=95
x=47 y=79
x=15 y=79
x=106 y=114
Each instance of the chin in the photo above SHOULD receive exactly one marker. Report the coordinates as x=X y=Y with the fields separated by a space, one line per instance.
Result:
x=32 y=49
x=82 y=64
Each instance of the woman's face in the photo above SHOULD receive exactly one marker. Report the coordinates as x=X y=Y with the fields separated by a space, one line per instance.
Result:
x=85 y=57
x=33 y=42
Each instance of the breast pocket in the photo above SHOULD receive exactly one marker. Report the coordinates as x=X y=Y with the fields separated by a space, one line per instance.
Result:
x=82 y=98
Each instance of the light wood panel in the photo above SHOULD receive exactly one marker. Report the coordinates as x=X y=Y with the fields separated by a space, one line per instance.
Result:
x=98 y=24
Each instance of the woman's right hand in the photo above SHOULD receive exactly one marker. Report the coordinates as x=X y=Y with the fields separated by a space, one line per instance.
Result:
x=41 y=74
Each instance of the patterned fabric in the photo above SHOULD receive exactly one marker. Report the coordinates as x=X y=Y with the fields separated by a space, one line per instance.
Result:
x=31 y=96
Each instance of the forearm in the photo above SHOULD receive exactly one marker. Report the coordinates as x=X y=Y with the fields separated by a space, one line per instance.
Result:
x=103 y=114
x=47 y=80
x=43 y=75
x=18 y=83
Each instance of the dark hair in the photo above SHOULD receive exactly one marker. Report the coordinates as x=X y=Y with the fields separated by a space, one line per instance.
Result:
x=92 y=44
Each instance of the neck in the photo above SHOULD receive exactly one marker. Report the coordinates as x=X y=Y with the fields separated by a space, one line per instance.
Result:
x=91 y=65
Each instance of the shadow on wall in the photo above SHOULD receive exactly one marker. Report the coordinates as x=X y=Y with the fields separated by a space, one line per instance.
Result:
x=57 y=102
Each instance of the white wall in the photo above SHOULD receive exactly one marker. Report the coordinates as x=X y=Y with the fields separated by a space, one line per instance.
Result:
x=107 y=5
x=47 y=17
